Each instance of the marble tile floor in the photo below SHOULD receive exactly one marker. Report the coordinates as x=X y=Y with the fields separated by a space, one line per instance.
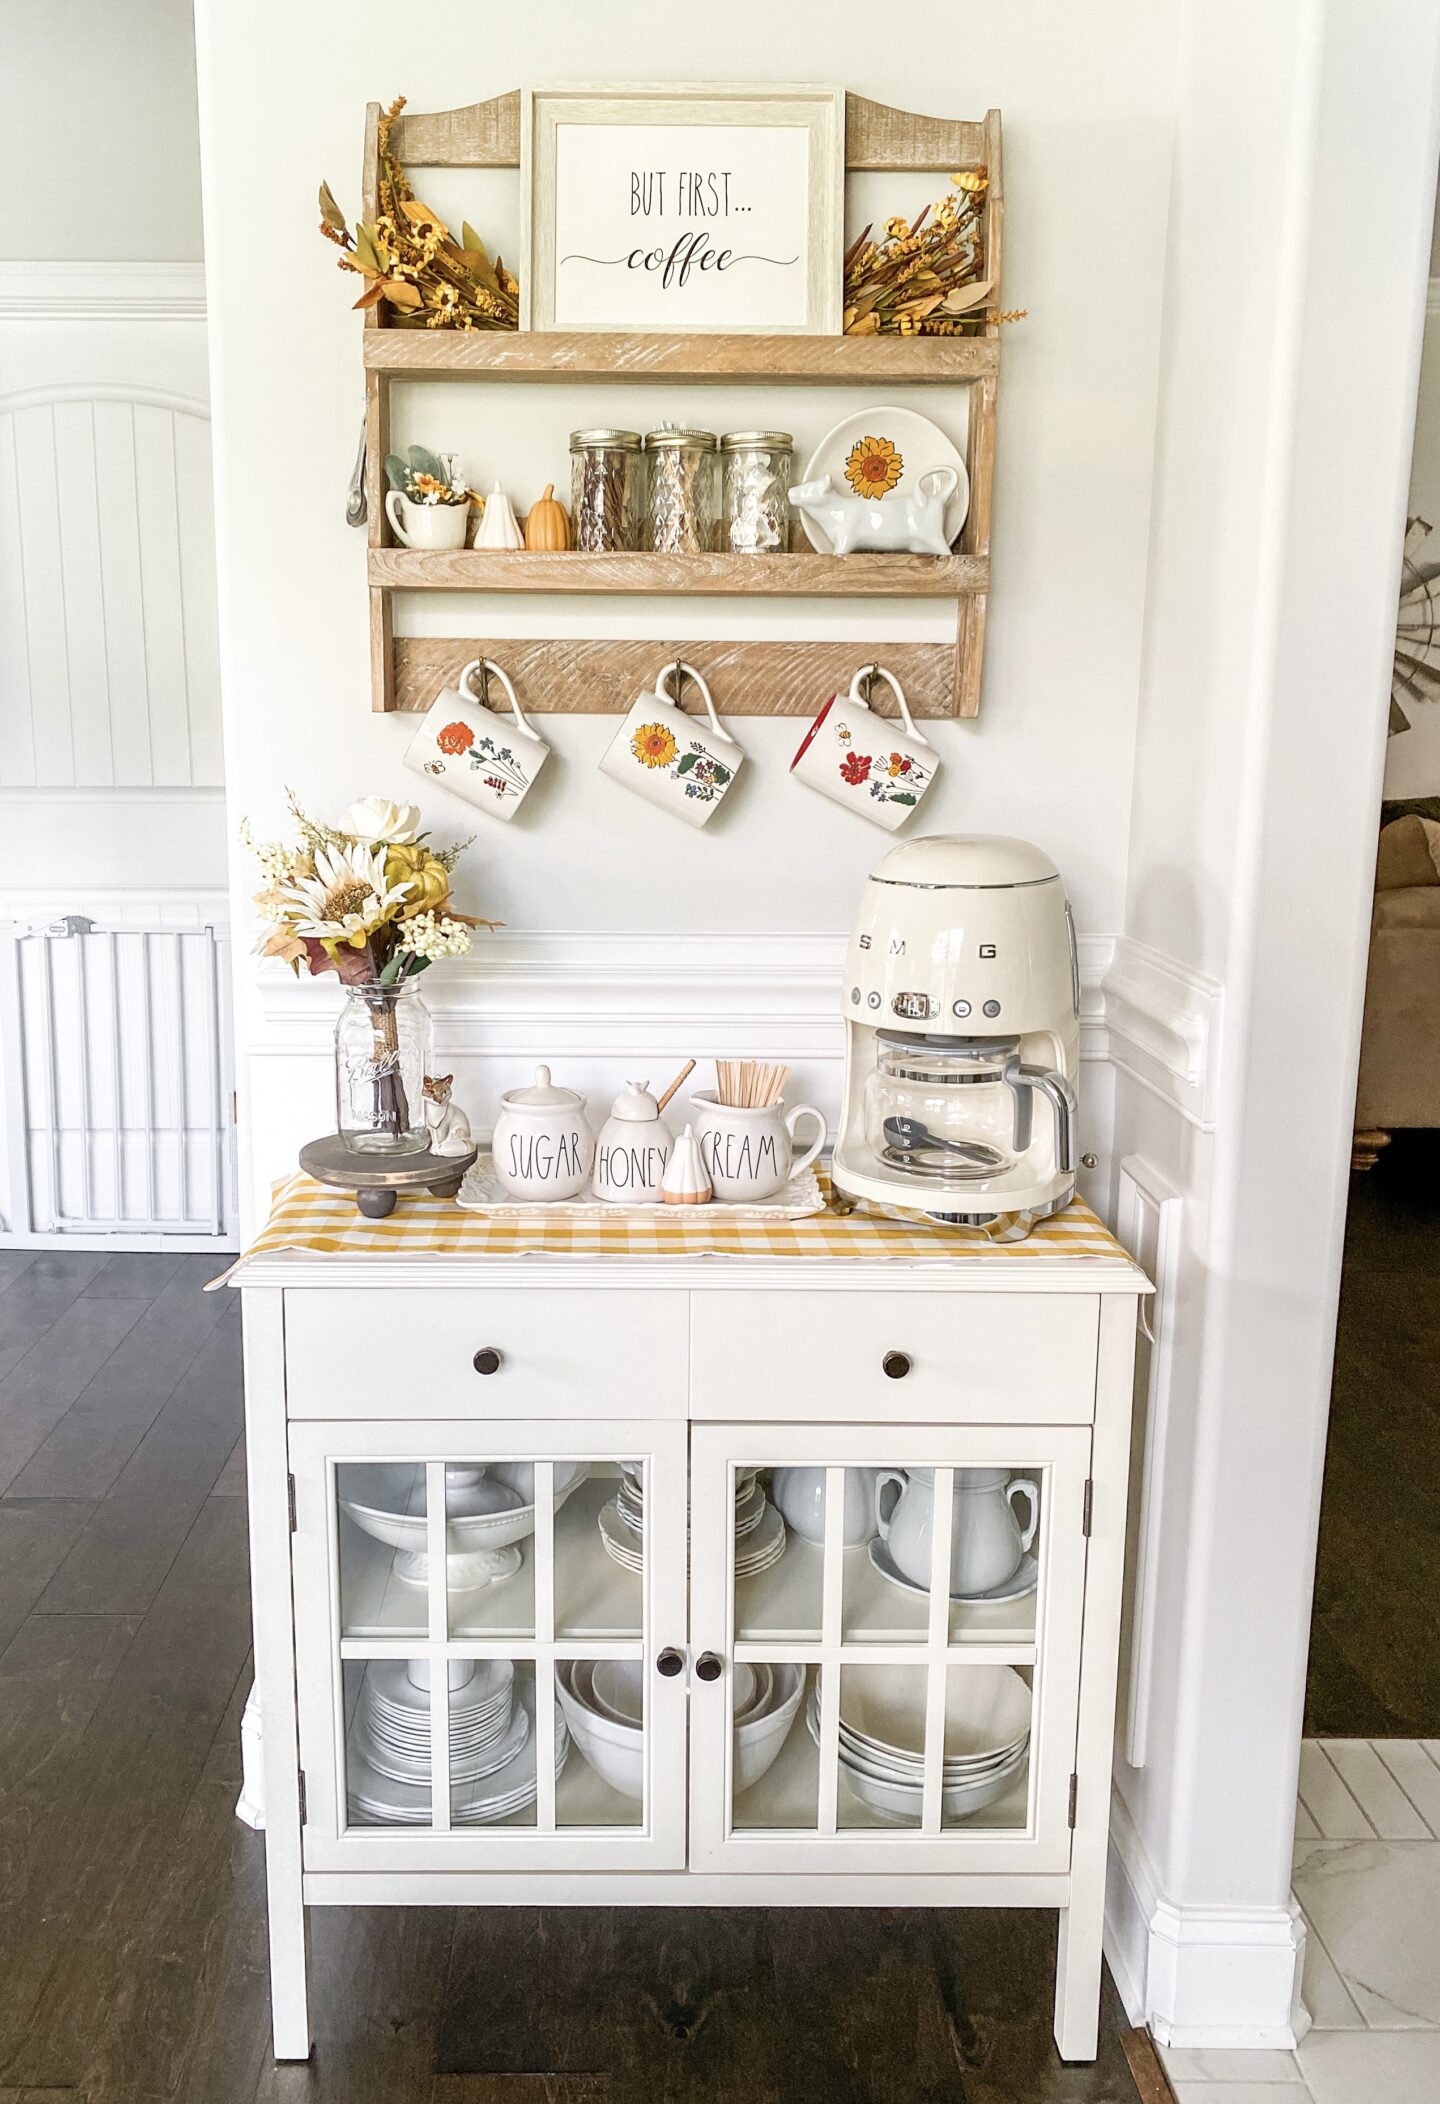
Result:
x=1367 y=1876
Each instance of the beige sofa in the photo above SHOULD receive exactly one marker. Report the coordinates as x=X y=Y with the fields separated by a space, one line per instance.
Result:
x=1400 y=1049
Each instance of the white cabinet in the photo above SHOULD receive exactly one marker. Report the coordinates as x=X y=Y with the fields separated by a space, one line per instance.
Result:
x=563 y=1479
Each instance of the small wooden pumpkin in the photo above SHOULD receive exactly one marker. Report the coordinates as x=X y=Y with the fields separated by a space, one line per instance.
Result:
x=548 y=525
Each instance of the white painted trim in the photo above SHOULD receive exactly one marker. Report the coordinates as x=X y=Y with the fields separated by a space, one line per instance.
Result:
x=1148 y=1222
x=609 y=992
x=1200 y=1976
x=120 y=906
x=1162 y=1027
x=46 y=396
x=103 y=292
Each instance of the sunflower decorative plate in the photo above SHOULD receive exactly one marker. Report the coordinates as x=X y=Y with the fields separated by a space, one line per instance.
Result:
x=880 y=453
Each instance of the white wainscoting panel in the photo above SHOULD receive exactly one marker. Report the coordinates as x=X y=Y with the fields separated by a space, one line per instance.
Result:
x=108 y=656
x=1162 y=1024
x=1148 y=1223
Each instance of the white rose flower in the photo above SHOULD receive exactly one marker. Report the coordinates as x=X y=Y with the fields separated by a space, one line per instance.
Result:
x=381 y=822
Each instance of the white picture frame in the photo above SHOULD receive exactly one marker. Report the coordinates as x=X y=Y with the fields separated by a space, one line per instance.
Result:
x=736 y=192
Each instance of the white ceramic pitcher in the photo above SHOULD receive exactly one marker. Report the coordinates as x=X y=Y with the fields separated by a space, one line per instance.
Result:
x=798 y=1494
x=987 y=1542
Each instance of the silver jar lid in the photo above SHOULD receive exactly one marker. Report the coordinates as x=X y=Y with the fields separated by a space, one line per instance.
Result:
x=620 y=441
x=676 y=435
x=773 y=441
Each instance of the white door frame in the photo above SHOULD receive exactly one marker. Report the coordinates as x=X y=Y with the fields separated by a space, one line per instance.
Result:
x=1206 y=1833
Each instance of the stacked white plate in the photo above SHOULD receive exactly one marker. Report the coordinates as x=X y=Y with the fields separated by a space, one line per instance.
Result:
x=882 y=1736
x=492 y=1748
x=759 y=1529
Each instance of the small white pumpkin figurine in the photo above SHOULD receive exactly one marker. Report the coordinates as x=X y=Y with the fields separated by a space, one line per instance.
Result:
x=448 y=1125
x=686 y=1180
x=498 y=527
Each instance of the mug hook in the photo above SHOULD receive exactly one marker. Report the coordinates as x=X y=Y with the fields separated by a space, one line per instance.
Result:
x=862 y=688
x=485 y=666
x=679 y=672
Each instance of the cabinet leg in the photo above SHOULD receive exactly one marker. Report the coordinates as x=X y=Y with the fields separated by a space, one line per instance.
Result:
x=1077 y=1978
x=289 y=1991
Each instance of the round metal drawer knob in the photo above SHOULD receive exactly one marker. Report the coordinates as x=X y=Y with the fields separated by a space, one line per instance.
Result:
x=487 y=1359
x=896 y=1365
x=670 y=1662
x=708 y=1666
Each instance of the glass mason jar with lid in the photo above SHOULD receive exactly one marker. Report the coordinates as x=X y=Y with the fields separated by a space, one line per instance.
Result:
x=684 y=506
x=758 y=469
x=382 y=1055
x=607 y=481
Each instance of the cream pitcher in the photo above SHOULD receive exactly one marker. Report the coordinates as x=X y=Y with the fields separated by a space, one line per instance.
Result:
x=987 y=1543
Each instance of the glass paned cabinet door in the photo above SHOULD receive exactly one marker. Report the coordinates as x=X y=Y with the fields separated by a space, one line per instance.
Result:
x=490 y=1624
x=892 y=1617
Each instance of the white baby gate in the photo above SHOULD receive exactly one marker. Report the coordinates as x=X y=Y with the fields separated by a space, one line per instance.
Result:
x=116 y=1083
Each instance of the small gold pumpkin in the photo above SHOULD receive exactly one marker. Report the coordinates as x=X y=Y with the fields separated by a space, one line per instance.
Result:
x=548 y=525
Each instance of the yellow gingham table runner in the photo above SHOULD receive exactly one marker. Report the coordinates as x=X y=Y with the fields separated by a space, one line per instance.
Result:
x=312 y=1217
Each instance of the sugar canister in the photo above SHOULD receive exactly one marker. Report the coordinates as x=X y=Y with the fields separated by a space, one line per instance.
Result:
x=758 y=471
x=684 y=502
x=607 y=482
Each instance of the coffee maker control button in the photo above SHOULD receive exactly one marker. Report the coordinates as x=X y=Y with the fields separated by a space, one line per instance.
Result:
x=855 y=995
x=874 y=1000
x=961 y=1008
x=991 y=1008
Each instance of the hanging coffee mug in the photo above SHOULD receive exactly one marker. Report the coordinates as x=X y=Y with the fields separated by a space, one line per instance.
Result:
x=680 y=762
x=492 y=763
x=864 y=761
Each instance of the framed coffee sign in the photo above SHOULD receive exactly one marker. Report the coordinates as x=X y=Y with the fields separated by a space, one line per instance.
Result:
x=676 y=208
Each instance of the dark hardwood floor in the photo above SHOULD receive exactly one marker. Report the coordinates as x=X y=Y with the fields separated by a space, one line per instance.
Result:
x=1375 y=1641
x=132 y=1937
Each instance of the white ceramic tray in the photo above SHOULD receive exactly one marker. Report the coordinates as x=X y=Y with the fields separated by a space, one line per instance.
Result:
x=483 y=1192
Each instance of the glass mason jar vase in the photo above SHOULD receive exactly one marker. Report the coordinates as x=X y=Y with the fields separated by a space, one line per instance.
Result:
x=382 y=1055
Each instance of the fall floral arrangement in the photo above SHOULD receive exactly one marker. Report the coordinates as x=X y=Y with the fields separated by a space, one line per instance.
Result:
x=924 y=277
x=429 y=478
x=410 y=260
x=369 y=899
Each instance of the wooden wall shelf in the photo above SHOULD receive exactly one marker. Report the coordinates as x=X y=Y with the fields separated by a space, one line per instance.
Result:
x=600 y=676
x=727 y=576
x=809 y=361
x=749 y=677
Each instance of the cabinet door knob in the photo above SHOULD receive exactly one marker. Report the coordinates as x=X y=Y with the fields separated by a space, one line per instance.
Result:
x=670 y=1662
x=708 y=1666
x=896 y=1365
x=487 y=1359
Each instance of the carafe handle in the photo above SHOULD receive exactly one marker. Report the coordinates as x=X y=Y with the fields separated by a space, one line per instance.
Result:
x=1026 y=1083
x=1032 y=1499
x=885 y=1479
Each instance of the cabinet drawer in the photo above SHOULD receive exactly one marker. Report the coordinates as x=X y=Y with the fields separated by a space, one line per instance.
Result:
x=1007 y=1358
x=562 y=1354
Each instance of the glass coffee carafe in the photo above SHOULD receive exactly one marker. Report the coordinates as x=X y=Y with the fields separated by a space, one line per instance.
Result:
x=957 y=1109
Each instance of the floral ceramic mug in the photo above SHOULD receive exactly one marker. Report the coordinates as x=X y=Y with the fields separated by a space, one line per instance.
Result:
x=680 y=762
x=863 y=760
x=475 y=752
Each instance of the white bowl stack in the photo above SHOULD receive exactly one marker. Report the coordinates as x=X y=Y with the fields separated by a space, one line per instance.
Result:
x=882 y=1736
x=604 y=1700
x=759 y=1529
x=492 y=1743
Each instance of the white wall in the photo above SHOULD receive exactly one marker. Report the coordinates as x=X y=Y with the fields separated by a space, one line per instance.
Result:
x=1412 y=760
x=1085 y=96
x=100 y=131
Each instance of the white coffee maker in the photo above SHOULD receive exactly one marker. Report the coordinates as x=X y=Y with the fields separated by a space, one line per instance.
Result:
x=962 y=1008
